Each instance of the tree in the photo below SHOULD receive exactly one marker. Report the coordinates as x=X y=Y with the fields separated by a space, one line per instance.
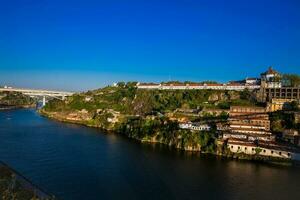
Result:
x=294 y=106
x=258 y=150
x=121 y=84
x=292 y=80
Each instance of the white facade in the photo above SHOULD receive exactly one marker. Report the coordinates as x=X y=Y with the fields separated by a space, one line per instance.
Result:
x=196 y=127
x=251 y=149
x=252 y=81
x=177 y=86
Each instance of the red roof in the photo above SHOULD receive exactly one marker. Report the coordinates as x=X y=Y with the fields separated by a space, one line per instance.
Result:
x=148 y=84
x=214 y=84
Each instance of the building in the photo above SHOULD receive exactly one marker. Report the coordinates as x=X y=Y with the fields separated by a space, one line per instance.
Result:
x=252 y=81
x=267 y=94
x=194 y=126
x=249 y=122
x=279 y=104
x=263 y=149
x=148 y=86
x=272 y=87
x=271 y=79
x=198 y=86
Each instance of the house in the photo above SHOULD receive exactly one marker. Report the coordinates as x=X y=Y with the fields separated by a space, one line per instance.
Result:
x=279 y=104
x=148 y=86
x=235 y=86
x=263 y=149
x=173 y=86
x=194 y=126
x=251 y=122
x=251 y=81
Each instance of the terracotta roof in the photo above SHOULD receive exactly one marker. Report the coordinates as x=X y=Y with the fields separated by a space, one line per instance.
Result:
x=252 y=107
x=213 y=84
x=246 y=124
x=148 y=84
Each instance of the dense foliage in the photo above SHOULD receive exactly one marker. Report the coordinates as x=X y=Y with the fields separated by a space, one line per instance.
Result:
x=15 y=99
x=281 y=120
x=128 y=100
x=292 y=80
x=167 y=132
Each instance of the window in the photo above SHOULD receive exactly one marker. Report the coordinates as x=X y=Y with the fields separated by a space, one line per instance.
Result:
x=239 y=147
x=264 y=151
x=289 y=155
x=279 y=152
x=232 y=147
x=252 y=149
x=245 y=148
x=272 y=152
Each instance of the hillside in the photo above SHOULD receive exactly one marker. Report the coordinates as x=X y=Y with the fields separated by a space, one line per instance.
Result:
x=15 y=100
x=144 y=114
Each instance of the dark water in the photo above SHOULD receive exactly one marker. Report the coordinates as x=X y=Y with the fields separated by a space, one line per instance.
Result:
x=75 y=162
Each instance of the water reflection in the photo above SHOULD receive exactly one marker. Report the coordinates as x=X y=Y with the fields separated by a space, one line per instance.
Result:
x=76 y=162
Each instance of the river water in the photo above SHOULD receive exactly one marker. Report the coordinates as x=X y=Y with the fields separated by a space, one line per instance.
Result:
x=75 y=162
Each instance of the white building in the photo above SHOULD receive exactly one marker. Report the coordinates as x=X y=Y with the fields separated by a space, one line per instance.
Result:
x=148 y=86
x=194 y=126
x=251 y=81
x=238 y=146
x=197 y=86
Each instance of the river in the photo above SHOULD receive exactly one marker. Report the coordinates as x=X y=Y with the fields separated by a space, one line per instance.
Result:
x=75 y=162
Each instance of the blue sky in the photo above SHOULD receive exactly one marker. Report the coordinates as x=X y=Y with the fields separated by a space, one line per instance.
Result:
x=86 y=44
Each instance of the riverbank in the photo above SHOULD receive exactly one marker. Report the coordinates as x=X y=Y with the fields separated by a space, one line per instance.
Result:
x=71 y=161
x=219 y=149
x=16 y=107
x=15 y=186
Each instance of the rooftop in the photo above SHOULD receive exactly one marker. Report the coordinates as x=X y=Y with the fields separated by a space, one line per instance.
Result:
x=270 y=71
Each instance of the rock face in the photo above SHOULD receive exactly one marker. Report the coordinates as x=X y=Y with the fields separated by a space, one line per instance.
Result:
x=233 y=95
x=224 y=96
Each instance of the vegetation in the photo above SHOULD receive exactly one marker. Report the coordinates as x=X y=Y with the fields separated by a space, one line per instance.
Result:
x=292 y=80
x=144 y=114
x=15 y=99
x=12 y=189
x=281 y=120
x=167 y=132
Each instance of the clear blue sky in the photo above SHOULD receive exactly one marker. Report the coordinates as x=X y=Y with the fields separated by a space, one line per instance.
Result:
x=85 y=44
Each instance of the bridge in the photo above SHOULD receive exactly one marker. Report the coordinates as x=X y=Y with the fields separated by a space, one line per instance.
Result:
x=39 y=93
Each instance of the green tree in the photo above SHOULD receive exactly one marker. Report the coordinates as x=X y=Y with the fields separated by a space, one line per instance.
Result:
x=292 y=80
